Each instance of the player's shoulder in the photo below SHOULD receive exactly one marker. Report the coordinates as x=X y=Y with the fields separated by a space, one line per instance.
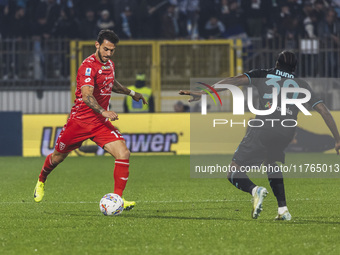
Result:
x=259 y=73
x=302 y=82
x=89 y=61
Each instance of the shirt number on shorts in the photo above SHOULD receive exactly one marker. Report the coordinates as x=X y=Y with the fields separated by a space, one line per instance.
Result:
x=117 y=134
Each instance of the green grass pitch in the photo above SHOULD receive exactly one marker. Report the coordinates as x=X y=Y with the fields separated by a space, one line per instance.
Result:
x=175 y=214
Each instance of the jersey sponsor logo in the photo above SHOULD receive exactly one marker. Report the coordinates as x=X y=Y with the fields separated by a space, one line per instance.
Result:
x=87 y=79
x=106 y=67
x=88 y=72
x=100 y=71
x=107 y=90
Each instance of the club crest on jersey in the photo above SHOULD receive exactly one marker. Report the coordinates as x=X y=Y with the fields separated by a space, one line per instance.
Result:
x=106 y=67
x=62 y=146
x=88 y=72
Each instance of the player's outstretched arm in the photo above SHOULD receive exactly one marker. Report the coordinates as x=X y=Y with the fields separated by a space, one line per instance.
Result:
x=120 y=89
x=196 y=95
x=90 y=101
x=329 y=120
x=240 y=80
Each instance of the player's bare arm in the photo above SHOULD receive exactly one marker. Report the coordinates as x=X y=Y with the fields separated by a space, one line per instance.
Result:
x=120 y=89
x=90 y=101
x=329 y=120
x=240 y=80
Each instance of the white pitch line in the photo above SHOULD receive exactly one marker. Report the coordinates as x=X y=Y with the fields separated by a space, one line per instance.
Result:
x=165 y=202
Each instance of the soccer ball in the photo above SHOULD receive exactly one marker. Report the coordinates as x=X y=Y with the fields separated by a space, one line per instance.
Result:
x=111 y=204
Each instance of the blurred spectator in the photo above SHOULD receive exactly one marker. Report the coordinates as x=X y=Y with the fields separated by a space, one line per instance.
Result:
x=148 y=18
x=213 y=29
x=169 y=23
x=309 y=22
x=288 y=27
x=232 y=18
x=336 y=6
x=188 y=12
x=319 y=7
x=271 y=11
x=88 y=26
x=3 y=5
x=329 y=29
x=126 y=24
x=66 y=26
x=105 y=5
x=309 y=46
x=207 y=9
x=9 y=10
x=254 y=17
x=46 y=15
x=329 y=33
x=82 y=6
x=295 y=7
x=105 y=22
x=125 y=11
x=131 y=105
x=180 y=107
x=19 y=26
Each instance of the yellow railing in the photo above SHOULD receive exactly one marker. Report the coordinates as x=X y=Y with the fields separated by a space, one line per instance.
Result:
x=168 y=65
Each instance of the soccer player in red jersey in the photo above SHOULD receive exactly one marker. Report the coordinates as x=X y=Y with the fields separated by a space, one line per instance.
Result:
x=90 y=115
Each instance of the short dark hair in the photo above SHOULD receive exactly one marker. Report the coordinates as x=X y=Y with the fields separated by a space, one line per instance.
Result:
x=107 y=35
x=287 y=60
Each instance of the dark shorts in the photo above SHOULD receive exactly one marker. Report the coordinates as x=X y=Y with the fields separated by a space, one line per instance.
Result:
x=75 y=132
x=259 y=145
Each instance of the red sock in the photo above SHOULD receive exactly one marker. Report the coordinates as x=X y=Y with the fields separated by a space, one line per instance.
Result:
x=47 y=168
x=120 y=175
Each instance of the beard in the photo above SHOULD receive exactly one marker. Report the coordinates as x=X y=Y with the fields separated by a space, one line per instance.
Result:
x=101 y=57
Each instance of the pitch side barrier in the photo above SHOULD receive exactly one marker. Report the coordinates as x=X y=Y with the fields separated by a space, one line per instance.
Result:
x=171 y=134
x=144 y=134
x=11 y=134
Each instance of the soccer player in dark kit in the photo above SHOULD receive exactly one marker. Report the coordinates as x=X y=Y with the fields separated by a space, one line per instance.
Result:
x=266 y=144
x=90 y=115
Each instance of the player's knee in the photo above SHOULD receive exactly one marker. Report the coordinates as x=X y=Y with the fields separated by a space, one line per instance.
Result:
x=124 y=154
x=233 y=167
x=229 y=175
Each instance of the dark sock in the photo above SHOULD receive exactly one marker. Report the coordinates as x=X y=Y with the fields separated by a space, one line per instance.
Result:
x=278 y=188
x=241 y=181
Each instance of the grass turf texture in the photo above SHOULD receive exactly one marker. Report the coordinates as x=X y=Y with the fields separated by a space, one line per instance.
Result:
x=174 y=214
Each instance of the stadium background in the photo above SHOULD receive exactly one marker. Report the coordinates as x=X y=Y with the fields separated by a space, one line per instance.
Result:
x=42 y=43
